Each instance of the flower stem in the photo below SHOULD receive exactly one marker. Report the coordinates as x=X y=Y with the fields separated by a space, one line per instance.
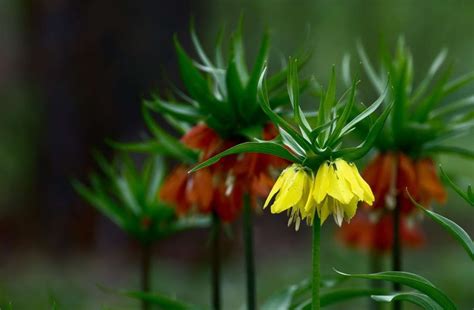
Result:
x=216 y=262
x=396 y=252
x=316 y=264
x=145 y=270
x=249 y=257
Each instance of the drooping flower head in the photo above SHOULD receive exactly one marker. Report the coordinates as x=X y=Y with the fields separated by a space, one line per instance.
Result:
x=322 y=179
x=416 y=131
x=218 y=110
x=127 y=196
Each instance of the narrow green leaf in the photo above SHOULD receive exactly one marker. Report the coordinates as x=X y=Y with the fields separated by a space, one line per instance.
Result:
x=156 y=299
x=275 y=118
x=412 y=297
x=448 y=149
x=371 y=109
x=411 y=280
x=452 y=107
x=139 y=147
x=278 y=79
x=340 y=295
x=355 y=153
x=460 y=82
x=346 y=113
x=198 y=87
x=294 y=95
x=269 y=148
x=109 y=209
x=168 y=142
x=373 y=77
x=418 y=299
x=435 y=66
x=250 y=102
x=467 y=196
x=451 y=227
x=183 y=112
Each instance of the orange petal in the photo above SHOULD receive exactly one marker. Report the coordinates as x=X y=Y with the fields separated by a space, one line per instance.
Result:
x=429 y=182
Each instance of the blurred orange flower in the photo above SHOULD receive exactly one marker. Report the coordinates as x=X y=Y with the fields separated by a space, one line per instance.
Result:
x=390 y=175
x=220 y=188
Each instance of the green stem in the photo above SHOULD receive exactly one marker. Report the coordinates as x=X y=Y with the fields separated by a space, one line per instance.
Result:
x=216 y=262
x=396 y=253
x=145 y=272
x=316 y=305
x=249 y=257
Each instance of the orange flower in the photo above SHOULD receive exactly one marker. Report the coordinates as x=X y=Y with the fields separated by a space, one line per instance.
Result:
x=220 y=188
x=377 y=235
x=418 y=176
x=373 y=227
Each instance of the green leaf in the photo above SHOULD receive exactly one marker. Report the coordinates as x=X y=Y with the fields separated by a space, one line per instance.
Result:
x=155 y=179
x=460 y=82
x=269 y=148
x=418 y=299
x=238 y=52
x=453 y=150
x=294 y=95
x=454 y=107
x=140 y=147
x=340 y=295
x=355 y=153
x=435 y=66
x=346 y=113
x=329 y=99
x=373 y=77
x=371 y=109
x=235 y=89
x=250 y=101
x=411 y=280
x=467 y=196
x=198 y=87
x=108 y=208
x=275 y=118
x=451 y=227
x=282 y=300
x=168 y=142
x=278 y=79
x=183 y=112
x=156 y=299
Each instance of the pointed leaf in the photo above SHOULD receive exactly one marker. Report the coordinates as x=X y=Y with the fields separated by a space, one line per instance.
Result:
x=451 y=227
x=411 y=280
x=465 y=195
x=418 y=299
x=269 y=148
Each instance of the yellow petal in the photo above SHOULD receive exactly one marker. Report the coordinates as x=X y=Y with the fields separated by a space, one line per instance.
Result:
x=310 y=203
x=320 y=184
x=346 y=171
x=278 y=185
x=368 y=196
x=350 y=209
x=291 y=192
x=325 y=209
x=338 y=187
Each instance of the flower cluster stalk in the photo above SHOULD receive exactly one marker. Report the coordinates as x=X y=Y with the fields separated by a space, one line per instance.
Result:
x=145 y=272
x=316 y=280
x=249 y=255
x=216 y=262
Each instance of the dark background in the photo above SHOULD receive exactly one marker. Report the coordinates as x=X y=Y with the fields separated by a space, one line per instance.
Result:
x=73 y=73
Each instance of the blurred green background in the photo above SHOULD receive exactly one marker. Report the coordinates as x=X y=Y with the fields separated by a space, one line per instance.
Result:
x=73 y=73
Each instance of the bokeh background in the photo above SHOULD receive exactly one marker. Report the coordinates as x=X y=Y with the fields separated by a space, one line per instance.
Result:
x=73 y=73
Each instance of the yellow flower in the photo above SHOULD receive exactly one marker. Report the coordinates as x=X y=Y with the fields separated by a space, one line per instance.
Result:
x=292 y=191
x=337 y=189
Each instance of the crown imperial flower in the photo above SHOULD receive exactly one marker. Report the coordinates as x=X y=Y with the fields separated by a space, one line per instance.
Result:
x=336 y=189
